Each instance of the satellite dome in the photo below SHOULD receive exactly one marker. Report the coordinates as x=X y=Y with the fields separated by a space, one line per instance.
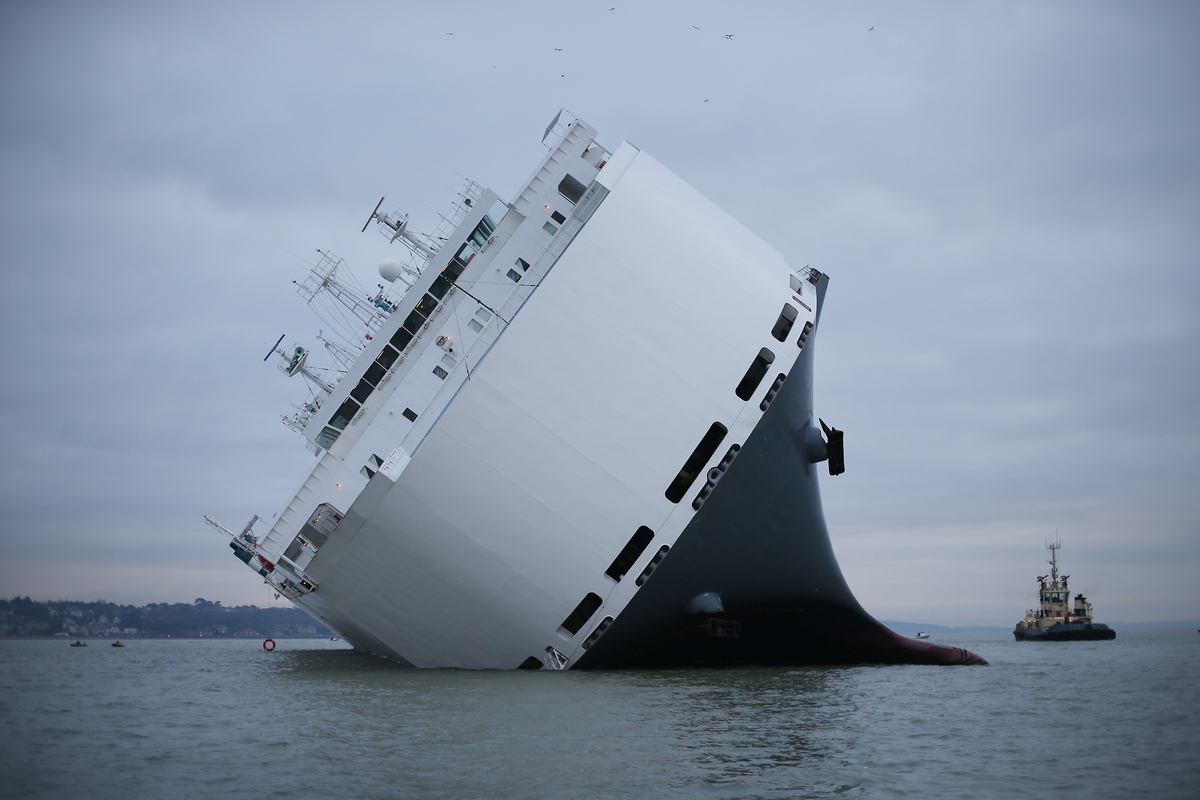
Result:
x=389 y=270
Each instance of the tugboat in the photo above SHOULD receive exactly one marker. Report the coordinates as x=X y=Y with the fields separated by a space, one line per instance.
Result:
x=1054 y=621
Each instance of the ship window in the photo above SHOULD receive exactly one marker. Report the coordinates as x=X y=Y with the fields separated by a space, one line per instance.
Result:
x=796 y=284
x=453 y=270
x=481 y=233
x=427 y=305
x=376 y=460
x=582 y=613
x=475 y=325
x=361 y=391
x=441 y=373
x=630 y=553
x=523 y=264
x=345 y=413
x=464 y=255
x=327 y=437
x=557 y=217
x=549 y=228
x=696 y=461
x=367 y=473
x=401 y=339
x=449 y=360
x=754 y=375
x=483 y=314
x=533 y=662
x=570 y=188
x=410 y=415
x=514 y=275
x=414 y=321
x=783 y=325
x=439 y=287
x=373 y=374
x=387 y=356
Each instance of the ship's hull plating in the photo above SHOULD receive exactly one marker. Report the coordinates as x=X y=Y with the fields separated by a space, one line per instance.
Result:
x=761 y=543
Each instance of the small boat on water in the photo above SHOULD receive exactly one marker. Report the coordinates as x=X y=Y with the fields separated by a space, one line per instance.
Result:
x=1053 y=621
x=78 y=643
x=117 y=643
x=921 y=635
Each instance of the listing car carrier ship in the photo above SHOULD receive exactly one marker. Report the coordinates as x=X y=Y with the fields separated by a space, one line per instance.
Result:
x=576 y=430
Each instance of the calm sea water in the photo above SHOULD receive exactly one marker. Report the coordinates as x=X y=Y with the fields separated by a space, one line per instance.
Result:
x=209 y=719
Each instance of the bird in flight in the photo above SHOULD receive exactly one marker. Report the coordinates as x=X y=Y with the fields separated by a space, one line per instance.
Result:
x=695 y=27
x=558 y=49
x=870 y=29
x=729 y=36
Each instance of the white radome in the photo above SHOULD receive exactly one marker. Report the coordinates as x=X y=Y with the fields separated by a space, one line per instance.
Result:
x=389 y=270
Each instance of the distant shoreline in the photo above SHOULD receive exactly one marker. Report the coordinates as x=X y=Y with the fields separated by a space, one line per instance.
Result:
x=21 y=617
x=908 y=628
x=140 y=638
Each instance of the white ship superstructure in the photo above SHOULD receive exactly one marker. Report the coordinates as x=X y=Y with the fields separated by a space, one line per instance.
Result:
x=536 y=426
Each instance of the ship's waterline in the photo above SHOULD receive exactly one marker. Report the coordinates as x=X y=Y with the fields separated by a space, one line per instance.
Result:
x=584 y=436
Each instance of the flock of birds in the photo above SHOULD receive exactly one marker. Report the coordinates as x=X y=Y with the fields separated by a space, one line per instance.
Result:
x=726 y=36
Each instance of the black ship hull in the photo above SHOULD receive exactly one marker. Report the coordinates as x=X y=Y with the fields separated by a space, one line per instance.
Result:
x=760 y=543
x=1066 y=632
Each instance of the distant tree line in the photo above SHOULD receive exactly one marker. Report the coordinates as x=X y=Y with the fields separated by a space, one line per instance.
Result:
x=21 y=616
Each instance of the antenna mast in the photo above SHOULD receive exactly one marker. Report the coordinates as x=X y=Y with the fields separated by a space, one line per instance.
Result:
x=324 y=279
x=297 y=364
x=1053 y=547
x=399 y=230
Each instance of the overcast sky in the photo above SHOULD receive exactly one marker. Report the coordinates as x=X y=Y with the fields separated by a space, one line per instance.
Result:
x=1005 y=195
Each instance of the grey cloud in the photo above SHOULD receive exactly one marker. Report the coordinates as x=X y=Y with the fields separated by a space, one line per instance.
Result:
x=1005 y=196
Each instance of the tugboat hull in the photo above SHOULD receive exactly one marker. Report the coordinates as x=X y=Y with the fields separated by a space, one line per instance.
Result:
x=1068 y=632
